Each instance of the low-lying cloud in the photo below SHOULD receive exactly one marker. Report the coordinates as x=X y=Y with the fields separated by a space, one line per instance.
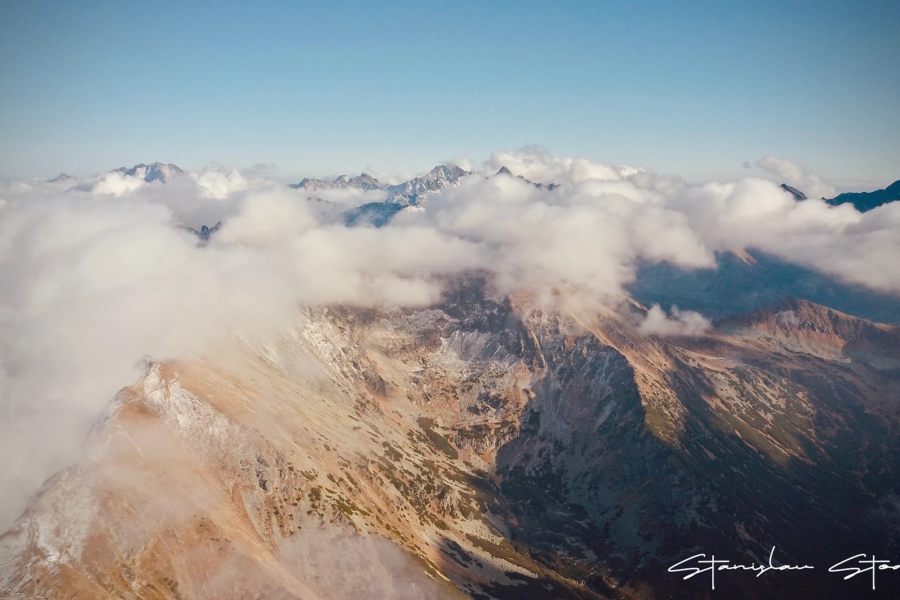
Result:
x=101 y=272
x=680 y=323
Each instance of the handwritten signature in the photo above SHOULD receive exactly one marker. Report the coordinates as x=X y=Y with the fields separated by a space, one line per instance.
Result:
x=866 y=565
x=883 y=565
x=725 y=565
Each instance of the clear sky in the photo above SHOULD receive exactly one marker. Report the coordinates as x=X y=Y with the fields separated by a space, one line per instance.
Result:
x=696 y=87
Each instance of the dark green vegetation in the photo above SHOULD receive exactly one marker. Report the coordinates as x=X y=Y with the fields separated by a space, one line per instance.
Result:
x=436 y=439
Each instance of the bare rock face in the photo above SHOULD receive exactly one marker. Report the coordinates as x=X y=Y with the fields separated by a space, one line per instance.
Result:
x=479 y=448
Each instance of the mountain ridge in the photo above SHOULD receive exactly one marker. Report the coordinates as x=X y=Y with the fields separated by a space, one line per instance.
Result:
x=866 y=201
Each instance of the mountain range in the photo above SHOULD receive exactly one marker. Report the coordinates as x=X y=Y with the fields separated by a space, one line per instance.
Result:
x=409 y=193
x=415 y=191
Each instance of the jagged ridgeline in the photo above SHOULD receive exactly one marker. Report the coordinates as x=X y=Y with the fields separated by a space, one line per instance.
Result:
x=480 y=448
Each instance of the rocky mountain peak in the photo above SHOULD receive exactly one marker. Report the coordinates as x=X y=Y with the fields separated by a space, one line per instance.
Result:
x=156 y=171
x=416 y=190
x=797 y=194
x=541 y=186
x=63 y=178
x=363 y=181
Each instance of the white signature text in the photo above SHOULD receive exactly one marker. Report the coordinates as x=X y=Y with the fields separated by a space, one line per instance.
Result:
x=725 y=565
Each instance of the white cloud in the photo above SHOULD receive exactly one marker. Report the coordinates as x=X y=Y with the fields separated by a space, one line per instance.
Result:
x=463 y=162
x=215 y=181
x=796 y=175
x=117 y=184
x=92 y=282
x=535 y=163
x=586 y=237
x=681 y=323
x=860 y=248
x=347 y=197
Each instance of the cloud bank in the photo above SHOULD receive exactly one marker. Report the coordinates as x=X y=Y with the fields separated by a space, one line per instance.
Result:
x=98 y=273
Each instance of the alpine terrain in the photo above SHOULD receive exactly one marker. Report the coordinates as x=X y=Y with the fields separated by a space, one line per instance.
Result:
x=492 y=445
x=505 y=451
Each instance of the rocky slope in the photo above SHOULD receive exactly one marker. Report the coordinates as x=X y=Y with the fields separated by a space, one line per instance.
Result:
x=481 y=448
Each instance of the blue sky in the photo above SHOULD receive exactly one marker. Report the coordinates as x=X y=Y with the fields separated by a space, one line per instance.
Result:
x=695 y=88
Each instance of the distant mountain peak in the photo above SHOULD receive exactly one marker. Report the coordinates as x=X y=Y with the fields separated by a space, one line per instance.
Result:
x=62 y=178
x=449 y=170
x=363 y=181
x=798 y=195
x=153 y=172
x=504 y=171
x=412 y=192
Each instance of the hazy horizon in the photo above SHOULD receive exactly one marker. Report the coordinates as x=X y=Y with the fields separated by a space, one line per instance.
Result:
x=488 y=166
